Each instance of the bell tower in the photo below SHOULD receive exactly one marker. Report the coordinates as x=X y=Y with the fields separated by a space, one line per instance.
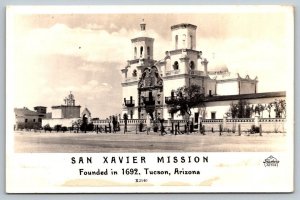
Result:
x=184 y=36
x=142 y=44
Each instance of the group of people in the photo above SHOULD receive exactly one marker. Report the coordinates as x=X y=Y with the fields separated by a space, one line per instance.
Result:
x=148 y=125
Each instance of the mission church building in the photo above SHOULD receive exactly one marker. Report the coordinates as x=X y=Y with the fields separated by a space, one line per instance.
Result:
x=148 y=84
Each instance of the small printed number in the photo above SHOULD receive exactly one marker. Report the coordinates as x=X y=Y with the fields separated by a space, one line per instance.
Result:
x=140 y=180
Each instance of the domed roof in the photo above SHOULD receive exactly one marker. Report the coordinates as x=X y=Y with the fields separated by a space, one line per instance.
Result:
x=218 y=68
x=142 y=32
x=216 y=65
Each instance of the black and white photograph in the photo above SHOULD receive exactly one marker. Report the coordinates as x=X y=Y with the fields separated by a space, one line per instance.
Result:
x=156 y=99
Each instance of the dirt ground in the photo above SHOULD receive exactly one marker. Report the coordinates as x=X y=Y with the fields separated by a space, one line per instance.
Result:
x=41 y=142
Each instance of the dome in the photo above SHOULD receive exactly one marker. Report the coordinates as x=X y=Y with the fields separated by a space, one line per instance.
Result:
x=218 y=68
x=216 y=65
x=143 y=32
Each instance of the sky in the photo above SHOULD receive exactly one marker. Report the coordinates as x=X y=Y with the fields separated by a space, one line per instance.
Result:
x=53 y=54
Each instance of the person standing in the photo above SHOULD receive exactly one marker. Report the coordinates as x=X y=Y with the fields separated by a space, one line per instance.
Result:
x=162 y=128
x=148 y=123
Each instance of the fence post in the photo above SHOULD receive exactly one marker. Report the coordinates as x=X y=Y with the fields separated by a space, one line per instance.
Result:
x=256 y=120
x=224 y=121
x=220 y=129
x=260 y=130
x=136 y=129
x=239 y=129
x=199 y=123
x=172 y=129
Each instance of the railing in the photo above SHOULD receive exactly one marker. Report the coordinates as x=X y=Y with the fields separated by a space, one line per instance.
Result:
x=196 y=72
x=272 y=120
x=129 y=103
x=179 y=121
x=122 y=121
x=169 y=100
x=240 y=120
x=244 y=120
x=212 y=120
x=148 y=101
x=172 y=72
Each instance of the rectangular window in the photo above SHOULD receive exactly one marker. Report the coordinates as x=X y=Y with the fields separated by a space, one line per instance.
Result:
x=213 y=115
x=33 y=120
x=26 y=120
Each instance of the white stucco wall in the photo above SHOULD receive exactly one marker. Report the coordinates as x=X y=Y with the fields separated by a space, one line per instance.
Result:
x=247 y=87
x=187 y=32
x=128 y=91
x=221 y=107
x=56 y=113
x=144 y=44
x=62 y=122
x=172 y=84
x=228 y=88
x=210 y=85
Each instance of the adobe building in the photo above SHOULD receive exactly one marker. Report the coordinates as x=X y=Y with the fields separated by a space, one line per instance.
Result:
x=148 y=84
x=29 y=119
x=68 y=110
x=65 y=114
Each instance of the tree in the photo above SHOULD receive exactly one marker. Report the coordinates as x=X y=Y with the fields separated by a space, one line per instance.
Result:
x=280 y=108
x=84 y=123
x=233 y=110
x=259 y=108
x=125 y=117
x=186 y=98
x=241 y=109
x=77 y=123
x=47 y=128
x=269 y=108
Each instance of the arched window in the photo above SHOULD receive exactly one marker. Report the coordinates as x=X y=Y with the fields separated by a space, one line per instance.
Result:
x=183 y=40
x=141 y=52
x=134 y=73
x=148 y=52
x=191 y=40
x=176 y=42
x=135 y=52
x=175 y=65
x=192 y=65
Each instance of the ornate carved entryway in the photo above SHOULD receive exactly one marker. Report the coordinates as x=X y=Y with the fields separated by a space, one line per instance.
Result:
x=150 y=94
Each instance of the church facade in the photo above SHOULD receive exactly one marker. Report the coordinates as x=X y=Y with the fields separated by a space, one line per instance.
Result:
x=148 y=84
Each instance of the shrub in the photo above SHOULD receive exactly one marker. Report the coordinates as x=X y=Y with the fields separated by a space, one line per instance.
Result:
x=57 y=127
x=47 y=128
x=254 y=129
x=141 y=126
x=90 y=127
x=64 y=129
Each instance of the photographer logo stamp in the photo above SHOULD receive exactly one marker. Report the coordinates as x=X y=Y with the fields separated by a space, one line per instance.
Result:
x=271 y=161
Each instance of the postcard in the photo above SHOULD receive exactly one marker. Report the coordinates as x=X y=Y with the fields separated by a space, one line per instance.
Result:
x=149 y=99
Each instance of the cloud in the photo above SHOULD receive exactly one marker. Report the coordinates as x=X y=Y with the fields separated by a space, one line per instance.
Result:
x=253 y=57
x=91 y=68
x=84 y=53
x=90 y=45
x=94 y=26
